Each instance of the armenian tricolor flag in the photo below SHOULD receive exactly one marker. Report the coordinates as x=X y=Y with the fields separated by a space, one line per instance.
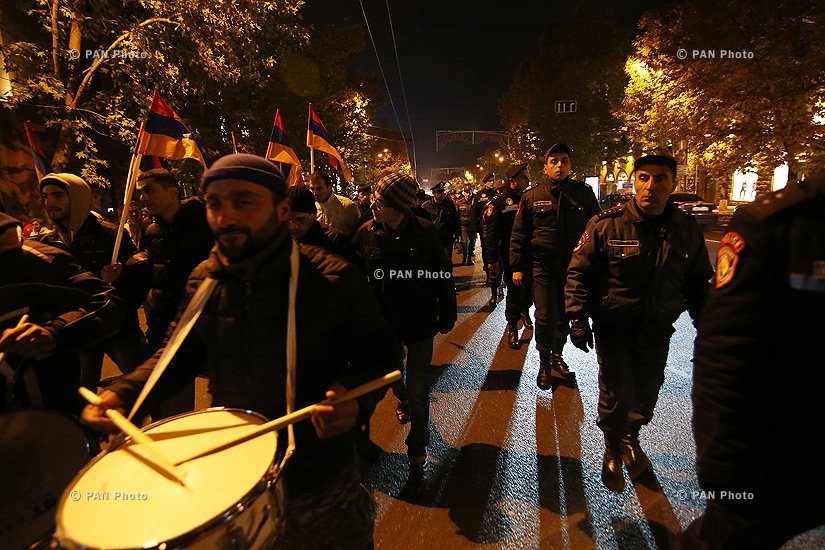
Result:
x=280 y=150
x=318 y=138
x=166 y=136
x=41 y=165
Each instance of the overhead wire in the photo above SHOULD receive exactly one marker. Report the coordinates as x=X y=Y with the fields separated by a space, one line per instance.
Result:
x=403 y=90
x=383 y=75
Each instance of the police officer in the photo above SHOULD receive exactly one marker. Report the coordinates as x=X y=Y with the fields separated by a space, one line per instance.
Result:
x=498 y=221
x=487 y=193
x=550 y=219
x=634 y=271
x=759 y=376
x=442 y=211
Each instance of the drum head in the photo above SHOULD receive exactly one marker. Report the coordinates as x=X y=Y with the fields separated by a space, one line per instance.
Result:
x=121 y=501
x=40 y=453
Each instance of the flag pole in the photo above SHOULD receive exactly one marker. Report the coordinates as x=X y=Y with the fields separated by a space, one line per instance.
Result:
x=127 y=195
x=311 y=147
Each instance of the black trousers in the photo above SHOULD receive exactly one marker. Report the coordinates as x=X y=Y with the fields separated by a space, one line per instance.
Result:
x=551 y=322
x=631 y=371
x=518 y=297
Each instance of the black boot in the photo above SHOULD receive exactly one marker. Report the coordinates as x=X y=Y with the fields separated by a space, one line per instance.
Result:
x=402 y=412
x=512 y=336
x=612 y=475
x=528 y=323
x=418 y=478
x=634 y=457
x=492 y=303
x=560 y=368
x=543 y=380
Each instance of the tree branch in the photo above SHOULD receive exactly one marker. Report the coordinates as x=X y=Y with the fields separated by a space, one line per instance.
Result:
x=55 y=37
x=89 y=73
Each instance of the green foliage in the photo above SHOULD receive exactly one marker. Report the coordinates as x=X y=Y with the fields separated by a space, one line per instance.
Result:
x=757 y=111
x=222 y=65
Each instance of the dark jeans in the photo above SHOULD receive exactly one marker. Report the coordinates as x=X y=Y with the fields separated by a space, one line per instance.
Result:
x=631 y=371
x=415 y=388
x=551 y=322
x=468 y=243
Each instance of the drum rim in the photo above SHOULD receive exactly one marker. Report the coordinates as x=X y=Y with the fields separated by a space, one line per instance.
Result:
x=270 y=478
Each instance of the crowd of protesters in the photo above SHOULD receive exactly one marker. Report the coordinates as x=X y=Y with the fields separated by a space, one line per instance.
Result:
x=614 y=280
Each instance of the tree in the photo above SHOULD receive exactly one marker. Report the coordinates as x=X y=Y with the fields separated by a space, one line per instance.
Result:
x=222 y=65
x=757 y=104
x=581 y=60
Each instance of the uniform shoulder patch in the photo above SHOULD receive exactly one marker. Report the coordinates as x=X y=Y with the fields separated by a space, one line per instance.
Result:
x=584 y=239
x=610 y=212
x=727 y=257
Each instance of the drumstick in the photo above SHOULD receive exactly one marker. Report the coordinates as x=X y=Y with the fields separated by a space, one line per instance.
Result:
x=23 y=320
x=299 y=415
x=153 y=454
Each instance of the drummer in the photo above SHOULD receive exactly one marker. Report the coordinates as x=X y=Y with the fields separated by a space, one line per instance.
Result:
x=240 y=341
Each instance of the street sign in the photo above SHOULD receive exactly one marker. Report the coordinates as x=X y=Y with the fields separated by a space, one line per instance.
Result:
x=566 y=106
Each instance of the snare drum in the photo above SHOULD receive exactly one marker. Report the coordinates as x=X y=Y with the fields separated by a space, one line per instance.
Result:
x=40 y=452
x=231 y=498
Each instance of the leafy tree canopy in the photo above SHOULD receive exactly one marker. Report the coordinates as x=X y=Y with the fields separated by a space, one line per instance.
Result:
x=222 y=65
x=757 y=104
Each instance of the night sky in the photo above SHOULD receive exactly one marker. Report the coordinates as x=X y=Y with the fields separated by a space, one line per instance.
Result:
x=457 y=57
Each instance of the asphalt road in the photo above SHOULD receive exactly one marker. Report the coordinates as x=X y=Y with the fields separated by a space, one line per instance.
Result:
x=515 y=467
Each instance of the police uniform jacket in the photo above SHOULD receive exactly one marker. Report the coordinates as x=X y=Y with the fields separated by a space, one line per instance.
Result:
x=551 y=217
x=446 y=219
x=416 y=305
x=759 y=368
x=239 y=342
x=631 y=272
x=497 y=222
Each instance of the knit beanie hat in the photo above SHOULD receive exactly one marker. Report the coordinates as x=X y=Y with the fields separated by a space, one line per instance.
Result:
x=302 y=199
x=7 y=222
x=249 y=168
x=398 y=190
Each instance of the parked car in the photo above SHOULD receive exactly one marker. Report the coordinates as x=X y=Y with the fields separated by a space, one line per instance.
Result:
x=705 y=213
x=614 y=199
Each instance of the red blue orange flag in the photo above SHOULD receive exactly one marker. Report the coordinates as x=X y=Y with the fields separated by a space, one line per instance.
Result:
x=41 y=165
x=166 y=136
x=319 y=138
x=280 y=151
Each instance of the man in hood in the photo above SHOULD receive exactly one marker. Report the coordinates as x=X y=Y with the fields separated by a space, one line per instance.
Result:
x=67 y=200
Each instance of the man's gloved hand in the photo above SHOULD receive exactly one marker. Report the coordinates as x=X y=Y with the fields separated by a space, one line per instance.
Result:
x=581 y=335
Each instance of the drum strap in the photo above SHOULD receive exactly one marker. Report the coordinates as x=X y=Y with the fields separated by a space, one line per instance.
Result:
x=185 y=324
x=291 y=347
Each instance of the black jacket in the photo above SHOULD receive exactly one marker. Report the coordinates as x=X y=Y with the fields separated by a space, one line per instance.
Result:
x=759 y=370
x=629 y=272
x=240 y=341
x=551 y=217
x=446 y=219
x=497 y=222
x=175 y=250
x=75 y=306
x=417 y=305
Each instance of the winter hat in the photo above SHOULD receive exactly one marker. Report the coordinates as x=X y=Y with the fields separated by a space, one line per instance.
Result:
x=302 y=199
x=249 y=168
x=398 y=190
